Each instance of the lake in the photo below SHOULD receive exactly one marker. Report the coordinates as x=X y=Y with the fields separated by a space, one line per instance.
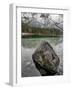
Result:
x=28 y=46
x=33 y=42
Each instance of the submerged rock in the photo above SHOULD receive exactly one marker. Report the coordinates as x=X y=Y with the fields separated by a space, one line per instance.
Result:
x=46 y=60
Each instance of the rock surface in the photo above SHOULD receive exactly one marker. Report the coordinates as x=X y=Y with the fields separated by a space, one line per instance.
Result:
x=46 y=60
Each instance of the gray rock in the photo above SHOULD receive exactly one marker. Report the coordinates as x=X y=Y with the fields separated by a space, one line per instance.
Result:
x=46 y=60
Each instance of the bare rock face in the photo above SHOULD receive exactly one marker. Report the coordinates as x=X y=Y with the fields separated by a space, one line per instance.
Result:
x=46 y=60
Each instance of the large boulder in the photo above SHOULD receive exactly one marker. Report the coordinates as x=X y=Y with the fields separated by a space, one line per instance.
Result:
x=46 y=60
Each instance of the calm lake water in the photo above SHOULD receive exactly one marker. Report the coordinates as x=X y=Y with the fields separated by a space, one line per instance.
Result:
x=33 y=42
x=28 y=47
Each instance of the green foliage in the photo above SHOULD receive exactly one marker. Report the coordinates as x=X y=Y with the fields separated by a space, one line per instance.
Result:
x=41 y=31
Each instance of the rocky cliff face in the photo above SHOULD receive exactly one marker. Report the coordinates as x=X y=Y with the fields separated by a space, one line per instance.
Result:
x=46 y=60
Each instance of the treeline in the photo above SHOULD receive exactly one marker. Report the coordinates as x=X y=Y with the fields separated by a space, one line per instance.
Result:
x=41 y=31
